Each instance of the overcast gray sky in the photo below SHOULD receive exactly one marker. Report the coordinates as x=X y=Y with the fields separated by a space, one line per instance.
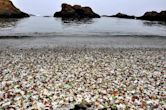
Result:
x=108 y=7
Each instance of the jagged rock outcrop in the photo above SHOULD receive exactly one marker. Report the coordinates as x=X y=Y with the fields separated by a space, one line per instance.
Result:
x=121 y=15
x=154 y=16
x=76 y=11
x=8 y=10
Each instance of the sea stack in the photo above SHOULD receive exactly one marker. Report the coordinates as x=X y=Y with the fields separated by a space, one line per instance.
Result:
x=121 y=15
x=8 y=10
x=154 y=16
x=76 y=11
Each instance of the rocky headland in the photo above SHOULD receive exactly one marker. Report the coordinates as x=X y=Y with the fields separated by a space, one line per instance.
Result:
x=154 y=16
x=8 y=10
x=76 y=11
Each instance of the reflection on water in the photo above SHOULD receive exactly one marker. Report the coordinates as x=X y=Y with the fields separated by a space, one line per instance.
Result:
x=50 y=26
x=6 y=23
x=73 y=21
x=154 y=23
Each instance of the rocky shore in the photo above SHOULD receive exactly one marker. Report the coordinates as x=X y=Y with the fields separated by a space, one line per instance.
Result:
x=71 y=78
x=8 y=10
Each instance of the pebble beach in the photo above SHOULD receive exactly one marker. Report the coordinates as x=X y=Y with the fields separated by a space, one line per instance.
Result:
x=83 y=78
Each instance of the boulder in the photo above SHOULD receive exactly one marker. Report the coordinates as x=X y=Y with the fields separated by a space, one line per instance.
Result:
x=82 y=106
x=121 y=15
x=75 y=11
x=154 y=16
x=8 y=10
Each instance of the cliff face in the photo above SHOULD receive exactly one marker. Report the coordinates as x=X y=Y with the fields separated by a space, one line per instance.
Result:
x=8 y=10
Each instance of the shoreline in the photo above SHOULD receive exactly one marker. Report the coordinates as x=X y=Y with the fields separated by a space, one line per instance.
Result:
x=83 y=42
x=59 y=78
x=68 y=49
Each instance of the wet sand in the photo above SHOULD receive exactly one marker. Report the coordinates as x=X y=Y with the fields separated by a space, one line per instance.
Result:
x=80 y=41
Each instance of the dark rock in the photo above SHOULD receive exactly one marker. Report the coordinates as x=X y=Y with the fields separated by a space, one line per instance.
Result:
x=154 y=16
x=46 y=16
x=114 y=107
x=121 y=15
x=83 y=106
x=79 y=107
x=8 y=10
x=162 y=16
x=105 y=16
x=76 y=11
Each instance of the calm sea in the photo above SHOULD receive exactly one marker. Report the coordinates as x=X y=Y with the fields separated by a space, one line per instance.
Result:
x=38 y=32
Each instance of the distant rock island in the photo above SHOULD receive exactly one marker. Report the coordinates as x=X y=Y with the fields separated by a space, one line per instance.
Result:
x=154 y=16
x=76 y=11
x=8 y=10
x=121 y=15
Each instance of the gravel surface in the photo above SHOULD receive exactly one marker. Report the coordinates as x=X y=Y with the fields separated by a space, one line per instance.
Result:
x=71 y=78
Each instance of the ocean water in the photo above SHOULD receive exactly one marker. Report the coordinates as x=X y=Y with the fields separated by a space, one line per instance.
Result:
x=37 y=32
